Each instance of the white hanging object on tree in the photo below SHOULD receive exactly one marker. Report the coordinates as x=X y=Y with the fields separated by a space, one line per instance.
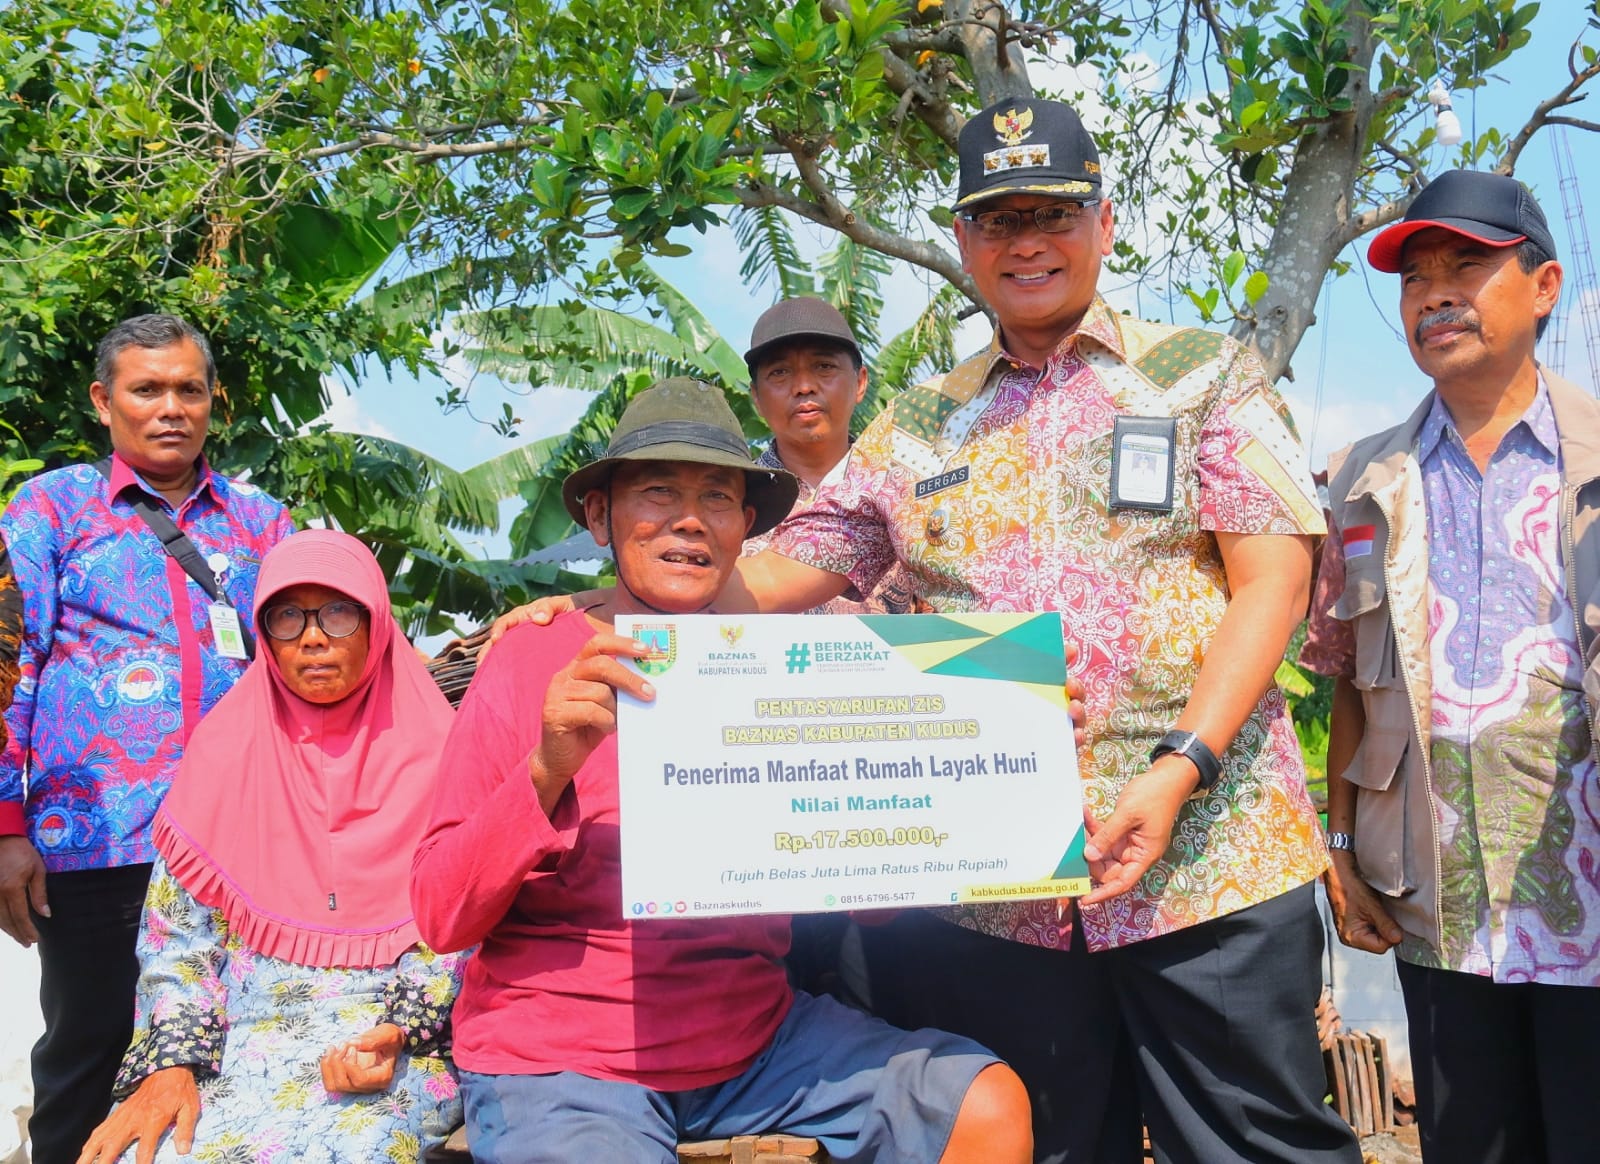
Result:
x=1447 y=124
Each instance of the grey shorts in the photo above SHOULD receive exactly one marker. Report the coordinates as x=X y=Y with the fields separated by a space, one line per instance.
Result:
x=868 y=1091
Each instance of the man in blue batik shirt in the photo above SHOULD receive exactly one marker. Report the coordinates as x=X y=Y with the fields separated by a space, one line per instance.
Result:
x=120 y=657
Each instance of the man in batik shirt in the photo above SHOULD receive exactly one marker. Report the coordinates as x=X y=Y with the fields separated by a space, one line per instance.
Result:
x=120 y=658
x=1457 y=602
x=1145 y=481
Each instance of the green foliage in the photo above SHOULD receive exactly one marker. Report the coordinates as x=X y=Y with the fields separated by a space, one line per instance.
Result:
x=112 y=203
x=1214 y=170
x=1310 y=699
x=253 y=165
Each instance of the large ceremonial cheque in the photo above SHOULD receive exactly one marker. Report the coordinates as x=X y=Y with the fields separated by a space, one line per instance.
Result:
x=807 y=763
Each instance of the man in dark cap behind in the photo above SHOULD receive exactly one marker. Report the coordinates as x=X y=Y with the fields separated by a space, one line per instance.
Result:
x=806 y=378
x=1457 y=602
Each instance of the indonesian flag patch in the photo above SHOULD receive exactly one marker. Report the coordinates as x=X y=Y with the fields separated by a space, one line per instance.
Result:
x=1358 y=540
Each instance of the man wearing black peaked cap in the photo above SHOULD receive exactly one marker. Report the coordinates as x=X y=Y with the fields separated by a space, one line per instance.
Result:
x=1146 y=481
x=1457 y=602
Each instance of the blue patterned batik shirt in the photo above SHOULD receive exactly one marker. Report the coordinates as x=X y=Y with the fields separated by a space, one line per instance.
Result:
x=118 y=661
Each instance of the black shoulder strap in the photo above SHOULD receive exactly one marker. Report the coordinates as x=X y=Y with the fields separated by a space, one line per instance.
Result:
x=177 y=543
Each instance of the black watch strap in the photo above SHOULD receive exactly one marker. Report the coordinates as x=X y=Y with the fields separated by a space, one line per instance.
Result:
x=1192 y=748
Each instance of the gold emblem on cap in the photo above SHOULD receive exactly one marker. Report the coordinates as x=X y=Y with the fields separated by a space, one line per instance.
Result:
x=1011 y=127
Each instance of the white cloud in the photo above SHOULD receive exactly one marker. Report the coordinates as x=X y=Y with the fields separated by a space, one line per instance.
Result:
x=347 y=413
x=1337 y=424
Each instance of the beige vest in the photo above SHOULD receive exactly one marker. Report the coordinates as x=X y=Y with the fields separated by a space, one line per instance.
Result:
x=1378 y=481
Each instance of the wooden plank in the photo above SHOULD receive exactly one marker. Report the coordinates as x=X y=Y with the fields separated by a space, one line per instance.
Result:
x=1360 y=1112
x=1333 y=1063
x=1385 y=1080
x=1369 y=1061
x=772 y=1149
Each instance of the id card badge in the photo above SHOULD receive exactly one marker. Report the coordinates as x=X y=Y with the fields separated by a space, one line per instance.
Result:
x=225 y=630
x=1142 y=456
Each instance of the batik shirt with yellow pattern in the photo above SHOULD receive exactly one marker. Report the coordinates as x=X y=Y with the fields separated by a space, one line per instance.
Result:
x=1013 y=514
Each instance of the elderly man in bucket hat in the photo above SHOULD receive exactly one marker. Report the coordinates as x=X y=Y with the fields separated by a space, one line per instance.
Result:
x=581 y=1035
x=1457 y=603
x=1147 y=482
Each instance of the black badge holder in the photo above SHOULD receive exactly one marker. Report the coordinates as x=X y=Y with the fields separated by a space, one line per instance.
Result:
x=1139 y=478
x=177 y=543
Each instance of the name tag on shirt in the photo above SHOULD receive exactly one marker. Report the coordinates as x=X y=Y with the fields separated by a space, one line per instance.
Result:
x=225 y=630
x=1142 y=455
x=939 y=482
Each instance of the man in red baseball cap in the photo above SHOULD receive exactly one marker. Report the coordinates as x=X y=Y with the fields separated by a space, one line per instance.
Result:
x=1457 y=600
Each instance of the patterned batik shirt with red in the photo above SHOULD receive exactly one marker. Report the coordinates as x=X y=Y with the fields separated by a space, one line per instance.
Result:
x=119 y=660
x=892 y=595
x=991 y=484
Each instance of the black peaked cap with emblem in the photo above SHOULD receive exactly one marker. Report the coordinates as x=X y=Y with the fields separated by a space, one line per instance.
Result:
x=685 y=420
x=1027 y=146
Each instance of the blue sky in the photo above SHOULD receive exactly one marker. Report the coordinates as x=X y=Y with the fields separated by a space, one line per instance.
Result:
x=1352 y=373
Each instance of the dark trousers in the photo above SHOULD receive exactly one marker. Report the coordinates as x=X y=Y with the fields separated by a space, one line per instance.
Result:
x=88 y=971
x=1208 y=1034
x=1505 y=1071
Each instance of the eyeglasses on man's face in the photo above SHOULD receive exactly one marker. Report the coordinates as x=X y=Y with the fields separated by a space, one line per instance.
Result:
x=1051 y=218
x=338 y=620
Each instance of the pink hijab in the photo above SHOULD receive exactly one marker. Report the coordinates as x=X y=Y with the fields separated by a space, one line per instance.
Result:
x=298 y=821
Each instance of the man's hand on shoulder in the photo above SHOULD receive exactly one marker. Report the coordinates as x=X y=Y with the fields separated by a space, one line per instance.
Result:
x=540 y=612
x=21 y=885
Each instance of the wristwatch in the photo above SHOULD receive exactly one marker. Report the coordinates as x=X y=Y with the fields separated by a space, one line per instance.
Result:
x=1192 y=748
x=1344 y=842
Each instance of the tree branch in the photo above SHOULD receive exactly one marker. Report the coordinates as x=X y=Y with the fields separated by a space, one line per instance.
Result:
x=1410 y=161
x=1574 y=123
x=1219 y=33
x=421 y=150
x=997 y=64
x=1567 y=95
x=831 y=213
x=904 y=79
x=1369 y=220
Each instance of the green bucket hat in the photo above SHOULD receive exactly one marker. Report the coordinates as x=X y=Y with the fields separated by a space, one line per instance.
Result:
x=685 y=420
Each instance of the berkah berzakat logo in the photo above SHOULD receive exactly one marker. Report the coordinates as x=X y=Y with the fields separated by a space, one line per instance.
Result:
x=662 y=642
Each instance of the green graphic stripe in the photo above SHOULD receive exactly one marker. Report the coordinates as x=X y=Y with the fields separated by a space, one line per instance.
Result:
x=1072 y=862
x=999 y=658
x=1041 y=633
x=899 y=630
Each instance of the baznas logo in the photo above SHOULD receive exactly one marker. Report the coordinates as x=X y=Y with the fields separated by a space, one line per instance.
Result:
x=139 y=682
x=663 y=644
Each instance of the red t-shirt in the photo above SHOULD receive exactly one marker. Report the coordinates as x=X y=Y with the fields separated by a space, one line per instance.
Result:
x=562 y=982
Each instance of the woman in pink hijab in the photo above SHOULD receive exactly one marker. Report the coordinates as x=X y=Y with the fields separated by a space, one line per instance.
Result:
x=287 y=1008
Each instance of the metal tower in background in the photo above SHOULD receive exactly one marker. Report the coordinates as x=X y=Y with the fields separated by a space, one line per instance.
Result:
x=1581 y=292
